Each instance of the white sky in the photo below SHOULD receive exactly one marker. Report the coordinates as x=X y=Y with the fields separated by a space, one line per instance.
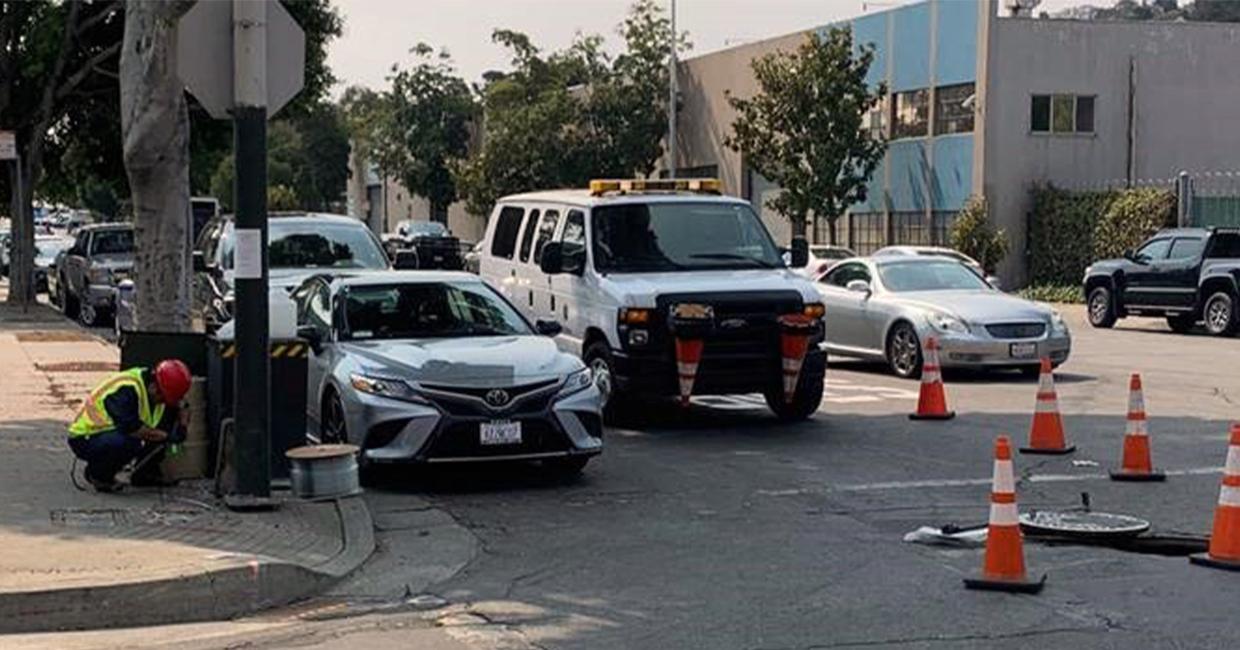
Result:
x=378 y=33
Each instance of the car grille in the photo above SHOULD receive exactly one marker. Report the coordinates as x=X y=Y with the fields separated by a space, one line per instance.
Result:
x=461 y=439
x=469 y=401
x=1016 y=330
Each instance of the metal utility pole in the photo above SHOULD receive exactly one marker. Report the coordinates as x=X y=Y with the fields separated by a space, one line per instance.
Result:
x=671 y=98
x=252 y=408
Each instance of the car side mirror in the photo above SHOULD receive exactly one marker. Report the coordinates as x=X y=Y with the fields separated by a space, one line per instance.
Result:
x=310 y=335
x=405 y=260
x=552 y=262
x=994 y=281
x=1129 y=255
x=858 y=286
x=548 y=327
x=799 y=251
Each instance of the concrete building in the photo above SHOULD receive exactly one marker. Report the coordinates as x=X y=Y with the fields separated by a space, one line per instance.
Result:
x=382 y=202
x=987 y=104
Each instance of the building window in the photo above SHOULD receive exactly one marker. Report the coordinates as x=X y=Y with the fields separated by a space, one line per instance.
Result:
x=953 y=110
x=910 y=114
x=865 y=232
x=876 y=120
x=1061 y=114
x=912 y=229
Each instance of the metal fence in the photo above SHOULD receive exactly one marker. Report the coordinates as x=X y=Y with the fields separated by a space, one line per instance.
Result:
x=1204 y=199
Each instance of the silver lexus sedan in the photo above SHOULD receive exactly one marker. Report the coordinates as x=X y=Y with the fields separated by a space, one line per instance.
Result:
x=436 y=367
x=883 y=308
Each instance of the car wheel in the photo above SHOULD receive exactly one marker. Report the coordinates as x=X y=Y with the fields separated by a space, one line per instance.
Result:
x=598 y=359
x=904 y=351
x=1220 y=314
x=1101 y=308
x=332 y=426
x=88 y=315
x=804 y=403
x=568 y=466
x=1181 y=324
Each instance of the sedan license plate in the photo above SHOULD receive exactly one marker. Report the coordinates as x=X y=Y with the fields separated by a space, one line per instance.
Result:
x=1024 y=350
x=501 y=432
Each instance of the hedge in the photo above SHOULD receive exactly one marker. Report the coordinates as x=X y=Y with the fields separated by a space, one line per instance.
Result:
x=1070 y=230
x=1053 y=293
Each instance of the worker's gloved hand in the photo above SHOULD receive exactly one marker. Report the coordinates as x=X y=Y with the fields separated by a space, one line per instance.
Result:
x=152 y=435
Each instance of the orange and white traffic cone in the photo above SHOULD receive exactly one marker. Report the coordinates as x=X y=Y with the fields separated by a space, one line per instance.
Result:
x=1046 y=435
x=932 y=401
x=1135 y=465
x=688 y=355
x=795 y=332
x=1224 y=552
x=1004 y=568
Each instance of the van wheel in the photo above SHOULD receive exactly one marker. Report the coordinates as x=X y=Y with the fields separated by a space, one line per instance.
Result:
x=1101 y=308
x=598 y=359
x=804 y=403
x=1220 y=314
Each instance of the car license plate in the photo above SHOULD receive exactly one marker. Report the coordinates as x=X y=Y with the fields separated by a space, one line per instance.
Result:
x=501 y=432
x=1024 y=350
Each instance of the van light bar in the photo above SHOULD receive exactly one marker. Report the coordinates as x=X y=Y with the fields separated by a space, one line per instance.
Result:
x=702 y=185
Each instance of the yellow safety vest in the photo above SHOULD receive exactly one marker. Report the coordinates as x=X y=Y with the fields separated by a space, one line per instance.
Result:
x=93 y=417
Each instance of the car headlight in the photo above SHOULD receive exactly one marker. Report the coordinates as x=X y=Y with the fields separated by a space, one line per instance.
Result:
x=947 y=323
x=1057 y=322
x=576 y=382
x=385 y=387
x=99 y=275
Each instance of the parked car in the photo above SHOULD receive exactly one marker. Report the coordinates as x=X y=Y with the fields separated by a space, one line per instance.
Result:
x=1186 y=275
x=87 y=272
x=473 y=258
x=431 y=241
x=299 y=244
x=822 y=258
x=47 y=250
x=614 y=263
x=437 y=367
x=884 y=308
x=939 y=251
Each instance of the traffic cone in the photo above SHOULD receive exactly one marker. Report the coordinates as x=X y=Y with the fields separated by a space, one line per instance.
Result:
x=795 y=332
x=932 y=401
x=1135 y=464
x=1046 y=436
x=1224 y=552
x=1004 y=568
x=688 y=355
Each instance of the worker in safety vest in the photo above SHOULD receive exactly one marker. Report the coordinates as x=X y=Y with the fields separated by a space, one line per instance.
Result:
x=124 y=418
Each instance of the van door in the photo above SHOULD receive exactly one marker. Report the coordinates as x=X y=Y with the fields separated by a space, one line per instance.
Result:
x=569 y=300
x=525 y=285
x=548 y=225
x=498 y=262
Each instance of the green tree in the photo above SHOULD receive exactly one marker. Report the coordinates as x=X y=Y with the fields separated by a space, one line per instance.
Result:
x=972 y=235
x=425 y=128
x=804 y=129
x=560 y=119
x=306 y=156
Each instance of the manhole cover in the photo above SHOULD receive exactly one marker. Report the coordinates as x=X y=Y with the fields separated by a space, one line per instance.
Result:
x=1081 y=524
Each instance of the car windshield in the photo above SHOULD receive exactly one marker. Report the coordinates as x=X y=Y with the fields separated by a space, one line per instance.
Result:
x=428 y=310
x=930 y=276
x=424 y=229
x=830 y=253
x=307 y=245
x=680 y=236
x=111 y=242
x=50 y=247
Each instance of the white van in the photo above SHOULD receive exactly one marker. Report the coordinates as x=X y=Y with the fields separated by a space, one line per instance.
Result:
x=610 y=263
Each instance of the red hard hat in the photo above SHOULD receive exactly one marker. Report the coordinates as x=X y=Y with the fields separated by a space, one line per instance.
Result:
x=173 y=378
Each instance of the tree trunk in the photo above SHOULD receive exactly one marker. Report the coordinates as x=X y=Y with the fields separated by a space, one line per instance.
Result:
x=831 y=228
x=155 y=130
x=799 y=225
x=21 y=251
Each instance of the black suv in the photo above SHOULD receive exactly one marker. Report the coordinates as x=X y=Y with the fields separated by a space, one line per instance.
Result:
x=1187 y=275
x=433 y=244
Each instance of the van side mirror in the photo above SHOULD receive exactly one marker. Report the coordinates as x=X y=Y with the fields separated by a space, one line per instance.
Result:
x=310 y=335
x=799 y=253
x=548 y=327
x=199 y=262
x=552 y=261
x=405 y=260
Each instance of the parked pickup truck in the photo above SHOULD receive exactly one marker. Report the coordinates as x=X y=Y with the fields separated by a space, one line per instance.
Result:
x=1186 y=275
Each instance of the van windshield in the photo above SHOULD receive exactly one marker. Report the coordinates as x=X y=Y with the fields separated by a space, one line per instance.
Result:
x=680 y=236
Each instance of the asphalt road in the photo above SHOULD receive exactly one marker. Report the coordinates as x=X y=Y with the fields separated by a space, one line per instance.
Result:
x=718 y=528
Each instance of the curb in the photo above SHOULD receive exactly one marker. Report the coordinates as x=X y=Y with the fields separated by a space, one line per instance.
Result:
x=229 y=592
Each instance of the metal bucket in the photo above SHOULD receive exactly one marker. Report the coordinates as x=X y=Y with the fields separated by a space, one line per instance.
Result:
x=324 y=471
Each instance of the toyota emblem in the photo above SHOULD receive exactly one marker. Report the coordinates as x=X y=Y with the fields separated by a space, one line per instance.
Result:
x=497 y=397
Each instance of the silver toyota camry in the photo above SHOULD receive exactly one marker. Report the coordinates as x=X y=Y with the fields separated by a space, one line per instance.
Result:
x=883 y=308
x=437 y=367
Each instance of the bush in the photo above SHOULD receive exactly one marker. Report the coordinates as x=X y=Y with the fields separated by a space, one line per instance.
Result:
x=1070 y=230
x=1053 y=293
x=973 y=236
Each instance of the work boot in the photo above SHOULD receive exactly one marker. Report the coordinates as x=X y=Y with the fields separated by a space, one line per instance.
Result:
x=150 y=476
x=104 y=485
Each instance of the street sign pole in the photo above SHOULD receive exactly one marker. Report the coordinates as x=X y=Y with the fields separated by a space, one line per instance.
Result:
x=252 y=408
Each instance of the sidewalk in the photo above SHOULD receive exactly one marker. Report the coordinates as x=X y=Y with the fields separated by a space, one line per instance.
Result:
x=77 y=560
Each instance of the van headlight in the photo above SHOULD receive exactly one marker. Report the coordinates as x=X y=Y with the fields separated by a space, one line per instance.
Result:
x=100 y=275
x=947 y=323
x=576 y=382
